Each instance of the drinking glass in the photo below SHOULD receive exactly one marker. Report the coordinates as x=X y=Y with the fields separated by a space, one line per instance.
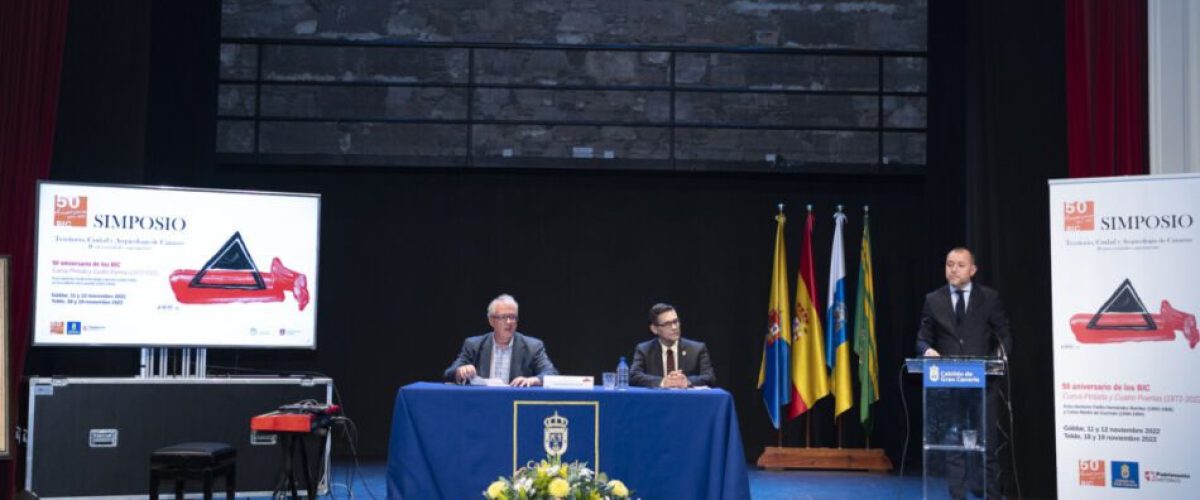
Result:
x=970 y=437
x=610 y=380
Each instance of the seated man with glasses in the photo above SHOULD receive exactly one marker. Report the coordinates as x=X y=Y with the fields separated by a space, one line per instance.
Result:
x=504 y=353
x=670 y=360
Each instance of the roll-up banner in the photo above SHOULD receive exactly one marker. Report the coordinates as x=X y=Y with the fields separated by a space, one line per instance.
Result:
x=1125 y=256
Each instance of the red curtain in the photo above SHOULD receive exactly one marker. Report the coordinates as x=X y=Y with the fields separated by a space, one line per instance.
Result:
x=32 y=34
x=1107 y=120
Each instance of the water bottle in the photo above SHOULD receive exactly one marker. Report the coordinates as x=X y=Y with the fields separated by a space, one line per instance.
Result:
x=622 y=374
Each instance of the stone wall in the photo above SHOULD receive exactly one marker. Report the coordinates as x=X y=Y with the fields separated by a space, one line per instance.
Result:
x=744 y=83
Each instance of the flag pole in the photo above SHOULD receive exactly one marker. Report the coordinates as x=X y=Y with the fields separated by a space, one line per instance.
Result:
x=808 y=414
x=779 y=431
x=837 y=417
x=808 y=429
x=866 y=435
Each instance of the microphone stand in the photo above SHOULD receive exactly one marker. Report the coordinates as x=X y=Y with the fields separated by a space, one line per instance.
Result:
x=1006 y=397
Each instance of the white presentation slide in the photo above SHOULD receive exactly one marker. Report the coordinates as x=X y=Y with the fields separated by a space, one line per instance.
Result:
x=148 y=266
x=1125 y=256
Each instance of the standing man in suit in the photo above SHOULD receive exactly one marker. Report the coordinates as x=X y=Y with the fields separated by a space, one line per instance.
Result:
x=976 y=327
x=670 y=360
x=503 y=353
x=967 y=319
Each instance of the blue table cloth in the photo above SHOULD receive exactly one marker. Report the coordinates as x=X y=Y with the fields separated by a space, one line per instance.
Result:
x=450 y=442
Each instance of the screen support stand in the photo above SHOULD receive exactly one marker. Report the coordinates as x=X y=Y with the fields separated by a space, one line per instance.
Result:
x=162 y=363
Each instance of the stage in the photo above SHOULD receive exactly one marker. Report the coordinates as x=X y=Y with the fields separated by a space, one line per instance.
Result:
x=370 y=482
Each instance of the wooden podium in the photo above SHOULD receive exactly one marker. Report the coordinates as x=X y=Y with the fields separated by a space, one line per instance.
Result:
x=868 y=459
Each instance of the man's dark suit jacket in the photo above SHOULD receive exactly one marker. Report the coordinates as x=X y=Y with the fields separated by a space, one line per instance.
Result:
x=647 y=369
x=983 y=330
x=529 y=357
x=985 y=325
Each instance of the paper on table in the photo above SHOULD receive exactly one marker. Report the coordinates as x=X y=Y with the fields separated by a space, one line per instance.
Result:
x=489 y=382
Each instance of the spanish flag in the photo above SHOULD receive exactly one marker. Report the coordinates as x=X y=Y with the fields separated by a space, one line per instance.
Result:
x=837 y=353
x=773 y=372
x=810 y=380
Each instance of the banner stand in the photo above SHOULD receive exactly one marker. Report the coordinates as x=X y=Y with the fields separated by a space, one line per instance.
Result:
x=1125 y=338
x=156 y=363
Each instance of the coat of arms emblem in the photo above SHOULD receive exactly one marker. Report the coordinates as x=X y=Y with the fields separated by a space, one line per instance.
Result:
x=554 y=435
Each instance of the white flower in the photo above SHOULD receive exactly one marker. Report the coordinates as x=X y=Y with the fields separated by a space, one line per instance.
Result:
x=524 y=484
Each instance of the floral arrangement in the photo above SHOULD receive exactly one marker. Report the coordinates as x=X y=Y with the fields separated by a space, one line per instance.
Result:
x=551 y=479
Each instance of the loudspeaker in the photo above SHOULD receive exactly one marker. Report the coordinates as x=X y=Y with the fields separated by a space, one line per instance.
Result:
x=93 y=436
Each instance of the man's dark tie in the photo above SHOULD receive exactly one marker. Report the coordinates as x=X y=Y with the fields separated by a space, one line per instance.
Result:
x=670 y=360
x=960 y=307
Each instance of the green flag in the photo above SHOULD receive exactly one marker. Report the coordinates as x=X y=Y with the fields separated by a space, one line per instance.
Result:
x=864 y=334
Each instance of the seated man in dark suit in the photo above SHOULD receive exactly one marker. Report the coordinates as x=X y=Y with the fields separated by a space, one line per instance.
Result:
x=504 y=353
x=670 y=360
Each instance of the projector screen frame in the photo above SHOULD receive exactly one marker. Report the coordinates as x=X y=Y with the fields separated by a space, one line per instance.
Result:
x=34 y=340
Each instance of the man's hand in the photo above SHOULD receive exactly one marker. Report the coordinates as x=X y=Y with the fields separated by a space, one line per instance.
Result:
x=931 y=353
x=525 y=382
x=675 y=380
x=464 y=374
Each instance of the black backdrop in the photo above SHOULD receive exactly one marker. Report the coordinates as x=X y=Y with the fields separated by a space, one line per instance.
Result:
x=410 y=257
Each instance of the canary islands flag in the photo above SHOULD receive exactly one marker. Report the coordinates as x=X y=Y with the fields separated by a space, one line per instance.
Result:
x=837 y=350
x=810 y=378
x=773 y=372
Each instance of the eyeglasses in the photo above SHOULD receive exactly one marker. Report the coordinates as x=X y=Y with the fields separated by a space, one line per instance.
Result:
x=505 y=317
x=667 y=324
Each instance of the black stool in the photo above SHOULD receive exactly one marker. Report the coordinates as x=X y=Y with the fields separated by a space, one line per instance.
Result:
x=185 y=461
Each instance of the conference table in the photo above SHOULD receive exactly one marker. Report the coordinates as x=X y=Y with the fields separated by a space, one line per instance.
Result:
x=451 y=442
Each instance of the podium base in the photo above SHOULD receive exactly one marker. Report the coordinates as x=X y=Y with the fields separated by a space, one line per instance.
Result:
x=868 y=459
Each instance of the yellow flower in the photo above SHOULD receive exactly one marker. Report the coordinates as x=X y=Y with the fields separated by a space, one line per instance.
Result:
x=595 y=496
x=618 y=488
x=562 y=472
x=559 y=488
x=496 y=489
